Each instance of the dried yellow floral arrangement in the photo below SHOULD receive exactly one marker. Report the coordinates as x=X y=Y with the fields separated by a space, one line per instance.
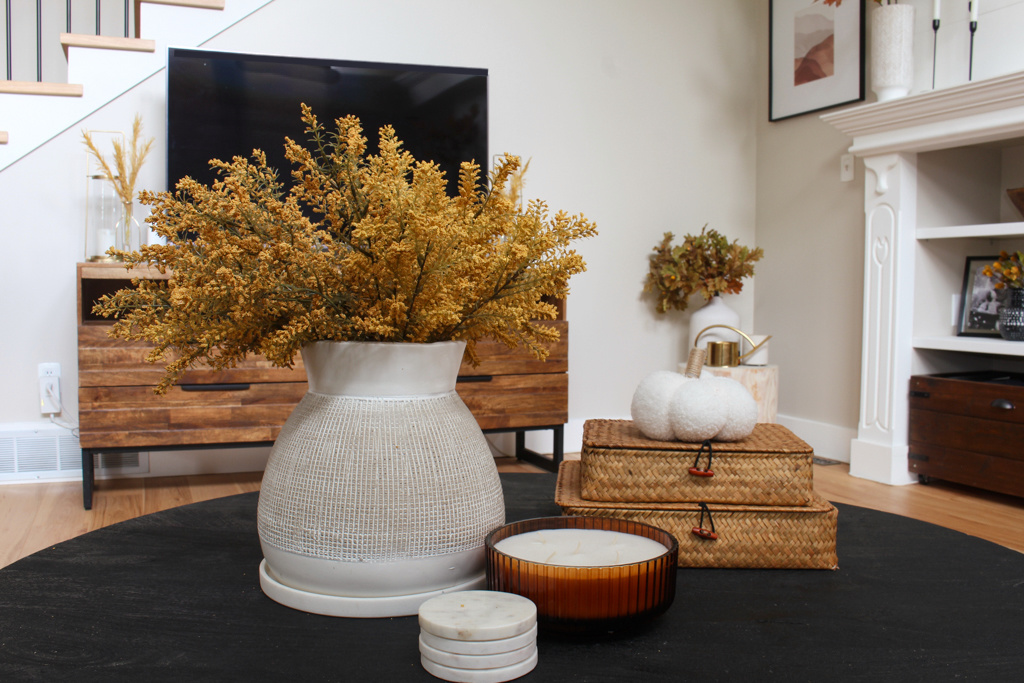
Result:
x=127 y=161
x=361 y=248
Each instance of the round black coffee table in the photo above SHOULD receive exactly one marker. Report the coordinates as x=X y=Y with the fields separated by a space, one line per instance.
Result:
x=174 y=596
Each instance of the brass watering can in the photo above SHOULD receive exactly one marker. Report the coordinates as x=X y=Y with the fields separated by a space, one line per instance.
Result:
x=727 y=353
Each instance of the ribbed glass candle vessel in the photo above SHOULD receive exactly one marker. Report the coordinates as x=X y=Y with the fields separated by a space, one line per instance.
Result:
x=587 y=598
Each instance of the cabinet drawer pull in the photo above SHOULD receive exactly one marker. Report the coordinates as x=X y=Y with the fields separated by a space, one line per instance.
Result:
x=214 y=387
x=474 y=378
x=1002 y=404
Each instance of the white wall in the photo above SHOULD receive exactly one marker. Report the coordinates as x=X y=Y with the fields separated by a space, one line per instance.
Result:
x=639 y=114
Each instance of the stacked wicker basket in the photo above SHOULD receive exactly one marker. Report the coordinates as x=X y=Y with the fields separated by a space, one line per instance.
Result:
x=742 y=504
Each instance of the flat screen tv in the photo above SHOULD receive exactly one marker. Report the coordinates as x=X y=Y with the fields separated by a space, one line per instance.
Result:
x=221 y=105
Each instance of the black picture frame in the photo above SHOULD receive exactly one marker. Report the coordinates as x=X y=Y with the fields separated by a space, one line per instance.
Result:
x=979 y=300
x=805 y=85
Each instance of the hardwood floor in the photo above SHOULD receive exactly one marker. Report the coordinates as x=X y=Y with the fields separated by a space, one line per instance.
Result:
x=34 y=516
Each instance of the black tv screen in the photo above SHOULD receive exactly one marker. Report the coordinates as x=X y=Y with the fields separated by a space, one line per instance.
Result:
x=221 y=105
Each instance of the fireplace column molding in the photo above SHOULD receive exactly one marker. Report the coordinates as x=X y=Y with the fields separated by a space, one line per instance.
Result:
x=890 y=199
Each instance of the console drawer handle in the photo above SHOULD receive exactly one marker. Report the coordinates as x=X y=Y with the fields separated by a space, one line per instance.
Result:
x=1002 y=404
x=214 y=387
x=474 y=378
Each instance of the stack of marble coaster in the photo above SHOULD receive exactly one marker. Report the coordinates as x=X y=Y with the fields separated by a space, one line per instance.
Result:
x=478 y=636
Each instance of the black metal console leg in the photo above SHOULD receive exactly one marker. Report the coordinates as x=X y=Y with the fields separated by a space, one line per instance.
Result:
x=527 y=455
x=558 y=437
x=88 y=478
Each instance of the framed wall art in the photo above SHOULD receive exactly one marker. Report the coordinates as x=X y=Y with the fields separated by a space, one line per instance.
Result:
x=979 y=300
x=816 y=55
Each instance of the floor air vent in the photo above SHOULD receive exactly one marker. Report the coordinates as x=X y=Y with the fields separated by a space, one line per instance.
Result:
x=32 y=452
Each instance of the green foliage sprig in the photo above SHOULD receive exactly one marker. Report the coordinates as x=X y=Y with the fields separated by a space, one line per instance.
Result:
x=386 y=256
x=707 y=263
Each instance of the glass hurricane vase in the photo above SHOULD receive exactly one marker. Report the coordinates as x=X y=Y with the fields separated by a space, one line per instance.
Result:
x=1011 y=316
x=127 y=232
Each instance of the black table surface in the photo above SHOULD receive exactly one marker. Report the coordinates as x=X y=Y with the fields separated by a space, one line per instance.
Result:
x=175 y=596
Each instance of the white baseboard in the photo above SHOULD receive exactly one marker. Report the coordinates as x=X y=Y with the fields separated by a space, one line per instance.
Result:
x=829 y=441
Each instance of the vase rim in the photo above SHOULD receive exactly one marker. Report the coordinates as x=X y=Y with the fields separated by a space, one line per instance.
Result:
x=382 y=369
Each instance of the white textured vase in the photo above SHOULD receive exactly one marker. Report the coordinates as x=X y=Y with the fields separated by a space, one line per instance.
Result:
x=380 y=487
x=714 y=312
x=892 y=51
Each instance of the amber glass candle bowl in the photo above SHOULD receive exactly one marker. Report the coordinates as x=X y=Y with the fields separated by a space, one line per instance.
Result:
x=587 y=599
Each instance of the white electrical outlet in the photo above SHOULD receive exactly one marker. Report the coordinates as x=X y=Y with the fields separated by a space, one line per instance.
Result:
x=49 y=388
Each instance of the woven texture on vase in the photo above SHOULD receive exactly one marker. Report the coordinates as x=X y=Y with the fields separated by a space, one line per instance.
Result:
x=379 y=480
x=772 y=466
x=749 y=536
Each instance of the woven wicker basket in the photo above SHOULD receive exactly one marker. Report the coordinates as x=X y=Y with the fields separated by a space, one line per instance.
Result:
x=772 y=466
x=748 y=536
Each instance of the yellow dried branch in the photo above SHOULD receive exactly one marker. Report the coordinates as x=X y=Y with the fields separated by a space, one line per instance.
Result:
x=362 y=247
x=127 y=163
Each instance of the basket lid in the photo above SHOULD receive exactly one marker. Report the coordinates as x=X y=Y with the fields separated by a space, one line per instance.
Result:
x=569 y=486
x=766 y=438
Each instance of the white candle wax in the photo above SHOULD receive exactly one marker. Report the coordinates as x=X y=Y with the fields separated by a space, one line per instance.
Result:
x=935 y=9
x=580 y=547
x=974 y=10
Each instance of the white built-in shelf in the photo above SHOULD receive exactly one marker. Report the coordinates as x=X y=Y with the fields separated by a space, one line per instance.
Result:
x=994 y=346
x=934 y=163
x=995 y=230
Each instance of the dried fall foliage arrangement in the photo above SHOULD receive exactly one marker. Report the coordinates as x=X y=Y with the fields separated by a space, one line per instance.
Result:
x=1007 y=271
x=707 y=263
x=386 y=255
x=127 y=160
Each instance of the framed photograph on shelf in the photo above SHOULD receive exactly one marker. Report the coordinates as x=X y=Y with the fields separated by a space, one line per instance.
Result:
x=816 y=55
x=979 y=300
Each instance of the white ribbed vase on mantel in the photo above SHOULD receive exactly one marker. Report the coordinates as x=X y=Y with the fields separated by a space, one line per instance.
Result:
x=381 y=487
x=892 y=51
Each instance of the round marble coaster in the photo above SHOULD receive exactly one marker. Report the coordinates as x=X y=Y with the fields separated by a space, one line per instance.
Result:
x=456 y=675
x=479 y=647
x=478 y=615
x=477 y=661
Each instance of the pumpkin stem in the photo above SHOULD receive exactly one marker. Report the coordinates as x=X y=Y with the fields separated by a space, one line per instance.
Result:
x=695 y=363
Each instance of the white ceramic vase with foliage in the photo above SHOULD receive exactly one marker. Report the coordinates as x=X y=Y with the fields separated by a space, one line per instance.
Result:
x=380 y=487
x=892 y=51
x=714 y=312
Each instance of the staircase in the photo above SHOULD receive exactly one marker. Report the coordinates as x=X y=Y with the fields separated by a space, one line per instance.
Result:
x=101 y=68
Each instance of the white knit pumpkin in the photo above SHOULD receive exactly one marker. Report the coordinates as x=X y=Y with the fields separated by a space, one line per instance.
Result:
x=694 y=406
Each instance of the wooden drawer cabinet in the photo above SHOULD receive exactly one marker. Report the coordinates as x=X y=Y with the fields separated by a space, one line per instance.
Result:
x=969 y=428
x=508 y=391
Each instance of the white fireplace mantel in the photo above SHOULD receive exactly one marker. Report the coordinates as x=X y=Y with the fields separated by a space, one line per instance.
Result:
x=901 y=330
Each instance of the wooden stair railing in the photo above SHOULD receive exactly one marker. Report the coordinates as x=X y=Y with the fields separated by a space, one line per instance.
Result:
x=97 y=42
